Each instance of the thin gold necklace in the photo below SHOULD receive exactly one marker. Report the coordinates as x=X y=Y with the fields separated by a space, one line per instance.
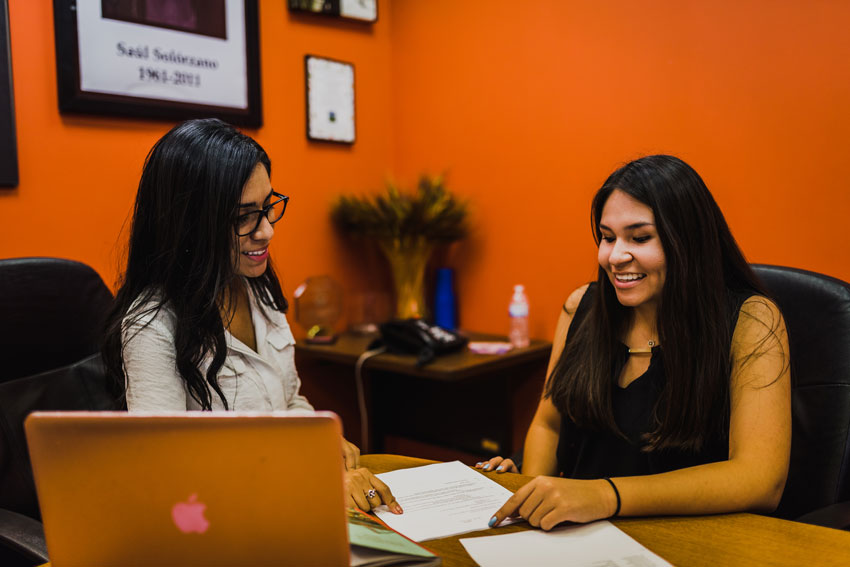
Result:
x=644 y=350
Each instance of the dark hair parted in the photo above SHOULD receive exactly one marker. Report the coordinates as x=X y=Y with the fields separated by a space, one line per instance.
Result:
x=181 y=249
x=705 y=270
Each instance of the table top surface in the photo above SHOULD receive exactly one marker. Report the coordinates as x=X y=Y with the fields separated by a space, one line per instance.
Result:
x=725 y=539
x=452 y=366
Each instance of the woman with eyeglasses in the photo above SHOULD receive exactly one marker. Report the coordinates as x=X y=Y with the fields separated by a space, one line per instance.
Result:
x=668 y=389
x=199 y=320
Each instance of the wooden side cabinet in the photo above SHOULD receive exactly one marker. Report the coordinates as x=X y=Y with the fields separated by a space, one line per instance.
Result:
x=461 y=405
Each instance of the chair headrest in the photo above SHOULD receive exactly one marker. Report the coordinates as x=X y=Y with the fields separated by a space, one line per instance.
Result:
x=53 y=311
x=816 y=309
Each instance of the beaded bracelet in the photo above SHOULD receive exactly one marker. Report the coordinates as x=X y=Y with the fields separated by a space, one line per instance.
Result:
x=616 y=493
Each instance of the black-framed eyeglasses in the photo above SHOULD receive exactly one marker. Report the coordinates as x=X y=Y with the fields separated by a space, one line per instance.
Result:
x=248 y=223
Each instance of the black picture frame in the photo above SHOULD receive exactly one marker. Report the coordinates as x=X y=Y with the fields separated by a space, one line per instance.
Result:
x=158 y=68
x=355 y=10
x=327 y=93
x=8 y=138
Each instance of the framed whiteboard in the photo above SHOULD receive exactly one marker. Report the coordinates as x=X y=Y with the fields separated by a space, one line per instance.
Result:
x=330 y=100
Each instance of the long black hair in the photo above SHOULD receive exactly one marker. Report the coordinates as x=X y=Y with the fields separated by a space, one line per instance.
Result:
x=705 y=271
x=181 y=249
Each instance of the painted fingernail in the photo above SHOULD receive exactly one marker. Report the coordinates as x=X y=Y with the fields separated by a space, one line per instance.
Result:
x=500 y=467
x=487 y=466
x=477 y=464
x=492 y=521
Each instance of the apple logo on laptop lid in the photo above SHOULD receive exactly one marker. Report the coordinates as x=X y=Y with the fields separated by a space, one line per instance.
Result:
x=189 y=517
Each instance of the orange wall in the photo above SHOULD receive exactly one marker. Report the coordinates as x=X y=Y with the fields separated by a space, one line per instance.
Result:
x=79 y=174
x=530 y=106
x=528 y=109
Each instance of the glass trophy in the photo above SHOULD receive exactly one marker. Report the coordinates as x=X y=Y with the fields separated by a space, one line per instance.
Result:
x=318 y=306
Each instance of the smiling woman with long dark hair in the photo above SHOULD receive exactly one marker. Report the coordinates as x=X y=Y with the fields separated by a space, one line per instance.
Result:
x=668 y=389
x=181 y=255
x=199 y=320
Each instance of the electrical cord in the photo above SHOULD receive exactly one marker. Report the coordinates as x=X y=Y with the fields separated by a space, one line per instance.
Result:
x=361 y=395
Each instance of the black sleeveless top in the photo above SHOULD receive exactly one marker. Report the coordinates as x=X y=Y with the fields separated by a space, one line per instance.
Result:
x=589 y=454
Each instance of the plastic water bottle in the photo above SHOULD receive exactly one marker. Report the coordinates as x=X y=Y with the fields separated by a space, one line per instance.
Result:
x=518 y=311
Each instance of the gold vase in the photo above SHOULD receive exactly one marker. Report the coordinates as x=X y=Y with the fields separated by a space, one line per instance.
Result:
x=407 y=258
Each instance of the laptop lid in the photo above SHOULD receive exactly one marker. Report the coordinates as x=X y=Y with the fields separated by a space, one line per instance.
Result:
x=195 y=488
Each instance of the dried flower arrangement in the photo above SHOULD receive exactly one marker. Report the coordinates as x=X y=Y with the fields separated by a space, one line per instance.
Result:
x=406 y=227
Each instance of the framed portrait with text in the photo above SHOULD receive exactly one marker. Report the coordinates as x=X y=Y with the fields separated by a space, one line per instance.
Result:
x=361 y=10
x=162 y=59
x=330 y=100
x=8 y=139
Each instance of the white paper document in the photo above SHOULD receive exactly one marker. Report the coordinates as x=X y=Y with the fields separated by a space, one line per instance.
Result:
x=442 y=500
x=600 y=544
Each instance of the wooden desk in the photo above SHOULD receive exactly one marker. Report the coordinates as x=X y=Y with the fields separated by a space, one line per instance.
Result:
x=479 y=405
x=727 y=539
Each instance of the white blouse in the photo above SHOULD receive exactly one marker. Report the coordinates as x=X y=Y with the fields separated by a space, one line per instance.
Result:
x=265 y=380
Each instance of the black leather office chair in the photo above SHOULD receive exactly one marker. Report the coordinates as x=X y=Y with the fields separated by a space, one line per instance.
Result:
x=79 y=386
x=51 y=318
x=817 y=315
x=51 y=314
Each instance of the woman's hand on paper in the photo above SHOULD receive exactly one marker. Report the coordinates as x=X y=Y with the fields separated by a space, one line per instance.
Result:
x=351 y=454
x=497 y=464
x=547 y=501
x=366 y=491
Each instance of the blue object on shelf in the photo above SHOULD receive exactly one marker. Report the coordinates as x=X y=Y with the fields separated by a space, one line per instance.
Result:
x=445 y=304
